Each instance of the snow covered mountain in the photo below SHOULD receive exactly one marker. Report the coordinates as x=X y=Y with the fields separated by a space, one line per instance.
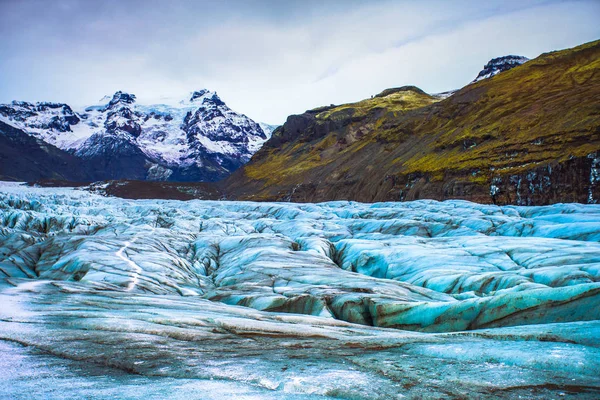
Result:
x=199 y=138
x=500 y=64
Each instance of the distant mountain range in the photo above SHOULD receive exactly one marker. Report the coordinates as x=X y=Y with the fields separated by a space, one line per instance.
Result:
x=197 y=139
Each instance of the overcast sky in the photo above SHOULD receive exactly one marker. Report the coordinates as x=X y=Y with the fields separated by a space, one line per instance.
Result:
x=269 y=59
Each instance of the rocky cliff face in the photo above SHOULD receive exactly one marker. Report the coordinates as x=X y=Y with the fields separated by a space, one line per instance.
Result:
x=529 y=136
x=197 y=139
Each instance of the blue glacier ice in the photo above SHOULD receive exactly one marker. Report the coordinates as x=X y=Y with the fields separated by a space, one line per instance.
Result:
x=106 y=297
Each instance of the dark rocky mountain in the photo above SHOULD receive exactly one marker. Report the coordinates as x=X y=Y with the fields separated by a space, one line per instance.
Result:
x=25 y=158
x=530 y=135
x=115 y=156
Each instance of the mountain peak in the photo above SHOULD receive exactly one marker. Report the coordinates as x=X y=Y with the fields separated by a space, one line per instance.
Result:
x=409 y=88
x=121 y=97
x=214 y=99
x=500 y=64
x=198 y=95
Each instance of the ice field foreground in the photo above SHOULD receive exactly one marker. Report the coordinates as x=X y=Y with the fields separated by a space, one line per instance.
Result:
x=105 y=297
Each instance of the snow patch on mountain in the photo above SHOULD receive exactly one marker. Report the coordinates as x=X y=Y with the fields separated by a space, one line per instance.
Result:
x=268 y=128
x=8 y=122
x=444 y=95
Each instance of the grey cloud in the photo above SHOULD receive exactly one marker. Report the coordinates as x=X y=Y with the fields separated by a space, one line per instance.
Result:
x=269 y=59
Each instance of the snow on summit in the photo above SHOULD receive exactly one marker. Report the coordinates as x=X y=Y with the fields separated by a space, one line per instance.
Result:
x=500 y=64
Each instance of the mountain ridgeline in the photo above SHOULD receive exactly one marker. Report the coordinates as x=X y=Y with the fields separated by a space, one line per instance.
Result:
x=528 y=135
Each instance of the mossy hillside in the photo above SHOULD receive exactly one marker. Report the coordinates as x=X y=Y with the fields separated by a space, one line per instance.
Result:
x=357 y=122
x=396 y=101
x=545 y=111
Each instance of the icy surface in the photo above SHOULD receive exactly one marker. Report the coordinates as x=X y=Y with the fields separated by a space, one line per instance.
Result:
x=104 y=297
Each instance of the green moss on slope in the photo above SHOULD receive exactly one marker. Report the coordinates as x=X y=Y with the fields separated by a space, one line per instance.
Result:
x=545 y=111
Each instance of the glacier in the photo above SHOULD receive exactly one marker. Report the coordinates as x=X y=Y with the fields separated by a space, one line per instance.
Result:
x=107 y=297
